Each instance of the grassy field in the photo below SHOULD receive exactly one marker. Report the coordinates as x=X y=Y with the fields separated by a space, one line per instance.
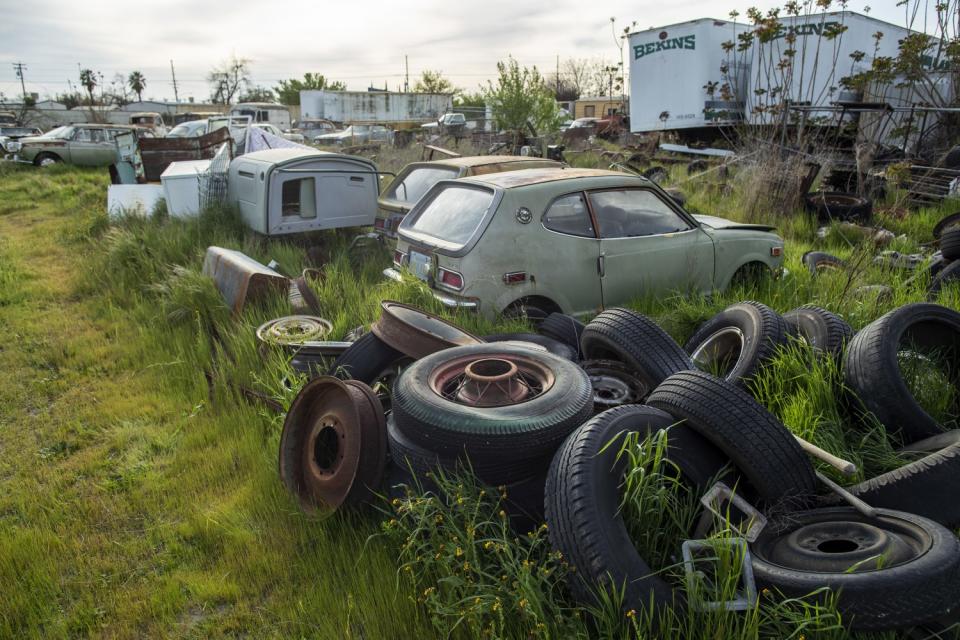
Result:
x=137 y=501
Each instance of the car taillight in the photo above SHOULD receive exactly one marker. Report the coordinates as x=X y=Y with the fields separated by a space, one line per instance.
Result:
x=399 y=257
x=515 y=277
x=450 y=279
x=378 y=223
x=776 y=252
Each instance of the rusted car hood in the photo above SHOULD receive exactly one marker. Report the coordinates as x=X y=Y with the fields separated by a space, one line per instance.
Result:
x=722 y=223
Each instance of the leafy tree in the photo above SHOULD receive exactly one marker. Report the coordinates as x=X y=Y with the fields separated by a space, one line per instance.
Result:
x=465 y=99
x=288 y=91
x=227 y=78
x=137 y=83
x=522 y=99
x=433 y=82
x=89 y=81
x=257 y=94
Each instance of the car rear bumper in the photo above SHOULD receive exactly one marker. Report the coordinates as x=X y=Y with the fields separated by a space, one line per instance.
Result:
x=445 y=299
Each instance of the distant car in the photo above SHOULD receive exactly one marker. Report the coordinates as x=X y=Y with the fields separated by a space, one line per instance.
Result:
x=191 y=129
x=417 y=178
x=274 y=130
x=570 y=240
x=82 y=144
x=447 y=123
x=149 y=120
x=356 y=134
x=10 y=134
x=310 y=128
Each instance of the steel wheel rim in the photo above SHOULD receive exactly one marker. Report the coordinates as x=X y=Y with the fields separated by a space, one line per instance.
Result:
x=844 y=543
x=613 y=384
x=46 y=162
x=719 y=347
x=294 y=330
x=491 y=379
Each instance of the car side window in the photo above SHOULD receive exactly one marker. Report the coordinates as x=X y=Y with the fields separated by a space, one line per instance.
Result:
x=569 y=215
x=82 y=135
x=632 y=213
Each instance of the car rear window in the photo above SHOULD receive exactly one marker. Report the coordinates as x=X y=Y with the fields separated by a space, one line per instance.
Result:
x=454 y=214
x=411 y=187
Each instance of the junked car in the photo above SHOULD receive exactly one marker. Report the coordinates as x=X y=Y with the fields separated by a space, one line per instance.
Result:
x=149 y=120
x=82 y=144
x=274 y=130
x=453 y=123
x=191 y=129
x=572 y=240
x=417 y=178
x=310 y=128
x=9 y=134
x=356 y=134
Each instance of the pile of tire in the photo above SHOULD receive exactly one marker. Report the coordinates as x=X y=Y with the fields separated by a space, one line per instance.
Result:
x=543 y=415
x=899 y=568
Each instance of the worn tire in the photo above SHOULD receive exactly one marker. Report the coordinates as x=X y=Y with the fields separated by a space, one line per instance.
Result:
x=837 y=205
x=817 y=261
x=637 y=341
x=926 y=487
x=564 y=328
x=950 y=243
x=903 y=595
x=764 y=451
x=947 y=275
x=419 y=460
x=945 y=223
x=365 y=359
x=582 y=500
x=510 y=435
x=871 y=368
x=556 y=347
x=823 y=330
x=762 y=331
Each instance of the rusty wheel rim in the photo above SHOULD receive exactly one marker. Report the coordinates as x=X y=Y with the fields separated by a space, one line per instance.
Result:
x=416 y=333
x=333 y=445
x=491 y=379
x=294 y=330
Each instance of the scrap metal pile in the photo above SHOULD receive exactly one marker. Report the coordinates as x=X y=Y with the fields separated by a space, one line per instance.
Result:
x=545 y=415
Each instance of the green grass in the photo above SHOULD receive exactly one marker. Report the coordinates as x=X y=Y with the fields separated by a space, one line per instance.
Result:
x=137 y=502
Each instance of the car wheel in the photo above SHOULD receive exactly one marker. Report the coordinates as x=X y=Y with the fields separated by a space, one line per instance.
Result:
x=636 y=341
x=758 y=444
x=555 y=347
x=945 y=223
x=583 y=495
x=817 y=261
x=564 y=328
x=498 y=403
x=47 y=160
x=824 y=331
x=950 y=243
x=946 y=275
x=835 y=205
x=921 y=334
x=894 y=571
x=736 y=342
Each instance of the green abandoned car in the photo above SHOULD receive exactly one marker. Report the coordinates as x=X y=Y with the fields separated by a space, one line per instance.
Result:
x=537 y=241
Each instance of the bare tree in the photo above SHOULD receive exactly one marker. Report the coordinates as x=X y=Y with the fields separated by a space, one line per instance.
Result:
x=577 y=73
x=228 y=78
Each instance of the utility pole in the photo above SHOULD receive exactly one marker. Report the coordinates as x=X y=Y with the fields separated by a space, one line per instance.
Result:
x=176 y=96
x=406 y=82
x=19 y=67
x=558 y=75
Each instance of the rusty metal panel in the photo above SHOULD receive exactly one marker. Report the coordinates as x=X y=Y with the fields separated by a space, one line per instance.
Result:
x=158 y=153
x=239 y=277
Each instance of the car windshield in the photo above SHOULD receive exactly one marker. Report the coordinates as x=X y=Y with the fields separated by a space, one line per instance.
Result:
x=411 y=187
x=60 y=133
x=454 y=214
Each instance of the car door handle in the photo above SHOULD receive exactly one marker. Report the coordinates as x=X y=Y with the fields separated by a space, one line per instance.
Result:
x=601 y=266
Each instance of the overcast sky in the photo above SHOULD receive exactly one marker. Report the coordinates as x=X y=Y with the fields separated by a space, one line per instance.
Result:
x=361 y=42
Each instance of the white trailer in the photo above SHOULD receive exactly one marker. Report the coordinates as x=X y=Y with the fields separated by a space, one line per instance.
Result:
x=275 y=114
x=687 y=75
x=365 y=107
x=671 y=71
x=824 y=44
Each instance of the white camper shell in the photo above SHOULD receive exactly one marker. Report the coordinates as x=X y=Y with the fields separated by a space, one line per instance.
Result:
x=284 y=191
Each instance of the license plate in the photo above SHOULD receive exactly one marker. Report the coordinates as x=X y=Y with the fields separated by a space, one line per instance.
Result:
x=420 y=264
